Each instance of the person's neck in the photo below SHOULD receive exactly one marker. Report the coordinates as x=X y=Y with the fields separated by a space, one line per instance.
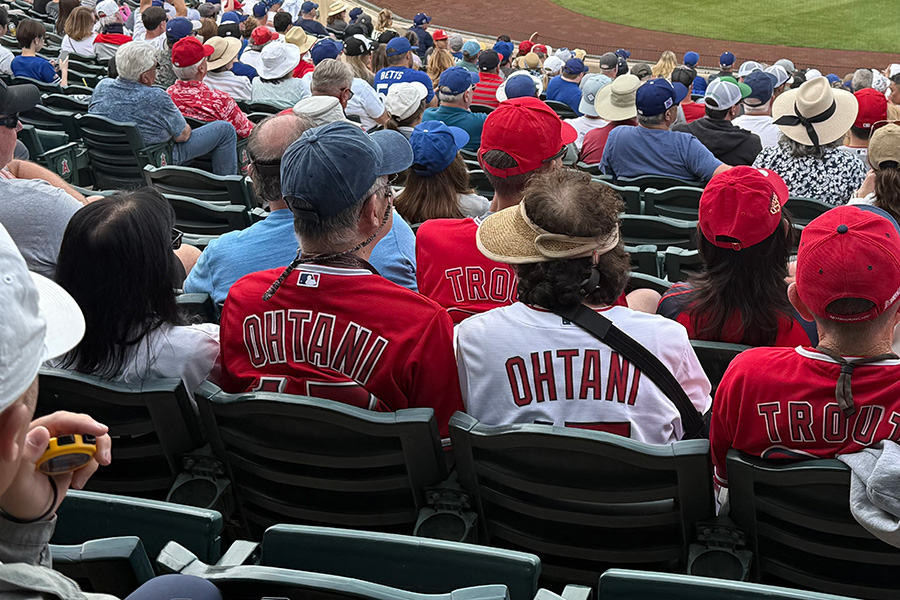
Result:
x=664 y=126
x=855 y=142
x=153 y=35
x=500 y=202
x=461 y=105
x=277 y=205
x=872 y=346
x=362 y=254
x=28 y=52
x=767 y=112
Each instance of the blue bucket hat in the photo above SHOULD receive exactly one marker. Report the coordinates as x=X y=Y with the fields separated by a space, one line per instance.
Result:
x=435 y=145
x=456 y=80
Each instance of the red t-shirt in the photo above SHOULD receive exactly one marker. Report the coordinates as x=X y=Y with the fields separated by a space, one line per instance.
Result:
x=486 y=90
x=303 y=68
x=595 y=141
x=343 y=334
x=693 y=111
x=780 y=403
x=676 y=305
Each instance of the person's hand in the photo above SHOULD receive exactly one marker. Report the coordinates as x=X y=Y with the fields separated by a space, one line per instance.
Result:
x=30 y=493
x=868 y=186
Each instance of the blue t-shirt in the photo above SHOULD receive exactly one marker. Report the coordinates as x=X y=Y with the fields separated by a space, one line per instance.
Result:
x=312 y=27
x=636 y=151
x=453 y=116
x=564 y=91
x=230 y=257
x=34 y=67
x=158 y=119
x=388 y=76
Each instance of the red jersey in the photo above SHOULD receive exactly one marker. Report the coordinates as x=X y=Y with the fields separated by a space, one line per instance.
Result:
x=780 y=403
x=342 y=334
x=676 y=304
x=303 y=68
x=486 y=90
x=693 y=111
x=595 y=141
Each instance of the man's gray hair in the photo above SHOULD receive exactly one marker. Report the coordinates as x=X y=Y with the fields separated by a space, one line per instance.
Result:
x=267 y=144
x=651 y=121
x=862 y=79
x=335 y=233
x=451 y=98
x=331 y=77
x=187 y=73
x=134 y=59
x=108 y=20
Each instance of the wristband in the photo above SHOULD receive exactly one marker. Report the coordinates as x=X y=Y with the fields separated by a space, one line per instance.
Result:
x=46 y=514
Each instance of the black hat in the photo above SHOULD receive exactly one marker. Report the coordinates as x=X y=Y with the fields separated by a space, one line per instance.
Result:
x=18 y=98
x=357 y=45
x=488 y=60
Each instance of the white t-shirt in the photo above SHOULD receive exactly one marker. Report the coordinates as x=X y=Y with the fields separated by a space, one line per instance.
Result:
x=236 y=86
x=762 y=126
x=520 y=364
x=159 y=42
x=582 y=125
x=365 y=103
x=6 y=61
x=83 y=47
x=138 y=31
x=473 y=205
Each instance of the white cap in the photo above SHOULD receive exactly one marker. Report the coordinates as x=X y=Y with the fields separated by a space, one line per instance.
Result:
x=107 y=8
x=813 y=73
x=748 y=67
x=278 y=59
x=781 y=75
x=893 y=69
x=564 y=54
x=39 y=321
x=721 y=94
x=404 y=98
x=787 y=65
x=322 y=110
x=553 y=64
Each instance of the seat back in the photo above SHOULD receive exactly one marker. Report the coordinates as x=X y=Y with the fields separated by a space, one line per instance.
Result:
x=679 y=264
x=657 y=182
x=116 y=566
x=50 y=119
x=481 y=108
x=715 y=357
x=201 y=185
x=621 y=584
x=631 y=195
x=43 y=86
x=644 y=259
x=84 y=516
x=295 y=459
x=660 y=231
x=562 y=109
x=480 y=183
x=804 y=210
x=117 y=153
x=583 y=501
x=801 y=531
x=642 y=281
x=64 y=102
x=152 y=425
x=679 y=202
x=409 y=563
x=205 y=218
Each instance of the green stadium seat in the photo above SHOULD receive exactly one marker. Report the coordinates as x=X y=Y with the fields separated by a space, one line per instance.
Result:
x=64 y=102
x=663 y=232
x=480 y=183
x=657 y=182
x=201 y=185
x=715 y=357
x=85 y=516
x=199 y=217
x=295 y=459
x=481 y=108
x=52 y=149
x=621 y=584
x=631 y=196
x=677 y=202
x=47 y=88
x=258 y=107
x=583 y=501
x=86 y=78
x=804 y=210
x=644 y=259
x=640 y=281
x=594 y=170
x=198 y=307
x=562 y=109
x=250 y=582
x=258 y=117
x=51 y=119
x=409 y=563
x=117 y=152
x=115 y=566
x=152 y=425
x=801 y=532
x=679 y=264
x=469 y=154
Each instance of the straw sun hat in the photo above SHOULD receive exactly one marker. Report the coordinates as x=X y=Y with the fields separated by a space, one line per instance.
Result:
x=815 y=113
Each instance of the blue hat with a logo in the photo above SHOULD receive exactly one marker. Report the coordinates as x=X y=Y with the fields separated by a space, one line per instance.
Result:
x=657 y=96
x=308 y=6
x=178 y=28
x=761 y=86
x=233 y=16
x=574 y=66
x=691 y=58
x=421 y=19
x=456 y=80
x=331 y=167
x=435 y=145
x=325 y=48
x=727 y=59
x=260 y=9
x=623 y=53
x=399 y=46
x=520 y=86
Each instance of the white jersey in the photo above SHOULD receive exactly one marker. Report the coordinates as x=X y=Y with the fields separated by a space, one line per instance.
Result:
x=521 y=364
x=582 y=125
x=761 y=125
x=366 y=103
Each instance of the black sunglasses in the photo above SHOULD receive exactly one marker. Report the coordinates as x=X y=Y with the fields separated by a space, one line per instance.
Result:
x=9 y=121
x=176 y=239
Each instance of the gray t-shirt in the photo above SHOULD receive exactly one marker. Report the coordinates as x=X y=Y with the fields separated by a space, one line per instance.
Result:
x=36 y=215
x=126 y=101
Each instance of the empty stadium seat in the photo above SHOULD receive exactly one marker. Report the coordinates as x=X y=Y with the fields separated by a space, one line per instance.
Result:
x=804 y=210
x=622 y=584
x=638 y=281
x=152 y=425
x=52 y=149
x=562 y=109
x=631 y=196
x=660 y=231
x=408 y=563
x=644 y=259
x=715 y=357
x=64 y=102
x=583 y=501
x=85 y=516
x=258 y=107
x=48 y=88
x=201 y=185
x=294 y=459
x=594 y=170
x=677 y=202
x=679 y=263
x=198 y=307
x=51 y=119
x=657 y=182
x=800 y=529
x=116 y=565
x=198 y=217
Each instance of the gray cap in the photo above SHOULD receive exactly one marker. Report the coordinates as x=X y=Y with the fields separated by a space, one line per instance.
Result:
x=787 y=64
x=455 y=42
x=609 y=61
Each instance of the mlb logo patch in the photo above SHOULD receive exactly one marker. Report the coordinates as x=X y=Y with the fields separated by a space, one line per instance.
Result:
x=308 y=280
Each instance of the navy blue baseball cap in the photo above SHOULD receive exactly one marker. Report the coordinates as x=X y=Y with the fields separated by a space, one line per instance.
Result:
x=354 y=14
x=308 y=6
x=520 y=86
x=574 y=66
x=398 y=46
x=505 y=49
x=178 y=28
x=623 y=53
x=325 y=48
x=260 y=9
x=233 y=16
x=699 y=87
x=691 y=58
x=457 y=80
x=657 y=96
x=727 y=59
x=761 y=86
x=332 y=166
x=435 y=146
x=421 y=19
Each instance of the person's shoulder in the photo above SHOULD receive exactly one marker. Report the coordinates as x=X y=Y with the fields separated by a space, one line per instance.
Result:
x=751 y=360
x=676 y=300
x=442 y=228
x=35 y=188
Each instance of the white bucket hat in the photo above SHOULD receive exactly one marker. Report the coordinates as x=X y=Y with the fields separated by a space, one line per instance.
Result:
x=278 y=59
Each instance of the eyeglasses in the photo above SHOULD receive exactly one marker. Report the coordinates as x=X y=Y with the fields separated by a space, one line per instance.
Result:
x=560 y=154
x=350 y=92
x=176 y=239
x=10 y=121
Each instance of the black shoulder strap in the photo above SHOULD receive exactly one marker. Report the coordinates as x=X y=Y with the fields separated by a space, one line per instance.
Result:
x=603 y=329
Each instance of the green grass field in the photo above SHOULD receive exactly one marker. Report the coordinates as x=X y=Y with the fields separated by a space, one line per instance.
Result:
x=872 y=25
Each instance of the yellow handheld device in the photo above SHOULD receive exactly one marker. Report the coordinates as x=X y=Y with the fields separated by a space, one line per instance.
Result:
x=67 y=453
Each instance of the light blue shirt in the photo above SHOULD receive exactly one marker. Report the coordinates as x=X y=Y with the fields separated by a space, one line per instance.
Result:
x=271 y=244
x=637 y=151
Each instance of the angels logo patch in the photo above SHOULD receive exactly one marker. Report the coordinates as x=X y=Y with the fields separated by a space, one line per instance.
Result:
x=308 y=280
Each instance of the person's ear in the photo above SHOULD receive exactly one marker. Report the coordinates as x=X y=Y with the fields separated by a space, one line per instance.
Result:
x=797 y=303
x=13 y=425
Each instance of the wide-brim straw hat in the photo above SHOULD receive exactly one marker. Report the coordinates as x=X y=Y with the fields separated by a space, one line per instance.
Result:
x=226 y=50
x=816 y=106
x=301 y=39
x=510 y=237
x=337 y=9
x=616 y=101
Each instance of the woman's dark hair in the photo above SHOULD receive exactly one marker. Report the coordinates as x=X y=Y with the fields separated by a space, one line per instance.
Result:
x=65 y=9
x=887 y=189
x=569 y=202
x=29 y=30
x=116 y=261
x=435 y=197
x=748 y=285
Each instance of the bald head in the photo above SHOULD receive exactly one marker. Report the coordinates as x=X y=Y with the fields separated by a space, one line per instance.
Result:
x=267 y=144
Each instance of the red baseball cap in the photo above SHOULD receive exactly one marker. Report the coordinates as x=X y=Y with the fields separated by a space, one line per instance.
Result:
x=526 y=129
x=872 y=108
x=440 y=34
x=525 y=46
x=189 y=51
x=742 y=207
x=851 y=251
x=539 y=48
x=262 y=35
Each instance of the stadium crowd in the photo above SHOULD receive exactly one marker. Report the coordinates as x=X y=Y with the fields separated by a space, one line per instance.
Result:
x=410 y=289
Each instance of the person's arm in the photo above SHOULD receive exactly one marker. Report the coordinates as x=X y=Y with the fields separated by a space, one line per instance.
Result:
x=180 y=8
x=184 y=135
x=145 y=4
x=23 y=169
x=721 y=169
x=64 y=71
x=384 y=118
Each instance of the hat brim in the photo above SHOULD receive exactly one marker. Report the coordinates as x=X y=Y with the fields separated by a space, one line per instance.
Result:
x=305 y=47
x=828 y=131
x=64 y=319
x=501 y=89
x=232 y=48
x=460 y=136
x=607 y=110
x=505 y=237
x=396 y=153
x=20 y=98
